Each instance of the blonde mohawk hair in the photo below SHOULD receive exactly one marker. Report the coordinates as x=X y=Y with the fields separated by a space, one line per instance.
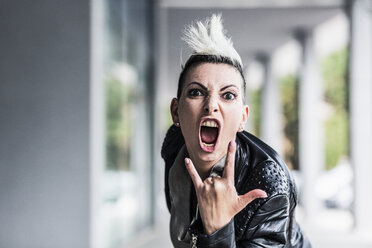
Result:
x=209 y=38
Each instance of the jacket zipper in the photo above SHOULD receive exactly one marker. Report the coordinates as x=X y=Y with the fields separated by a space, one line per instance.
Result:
x=194 y=237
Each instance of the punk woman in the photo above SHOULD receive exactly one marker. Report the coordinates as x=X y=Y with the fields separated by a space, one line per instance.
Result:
x=224 y=187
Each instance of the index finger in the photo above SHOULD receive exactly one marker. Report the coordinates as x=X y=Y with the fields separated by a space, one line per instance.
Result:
x=193 y=173
x=228 y=172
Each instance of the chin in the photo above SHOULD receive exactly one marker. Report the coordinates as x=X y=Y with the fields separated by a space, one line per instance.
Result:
x=210 y=157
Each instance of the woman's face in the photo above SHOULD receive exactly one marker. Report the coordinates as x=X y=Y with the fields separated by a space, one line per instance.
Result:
x=210 y=110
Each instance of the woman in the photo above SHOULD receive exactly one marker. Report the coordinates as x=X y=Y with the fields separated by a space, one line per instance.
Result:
x=224 y=187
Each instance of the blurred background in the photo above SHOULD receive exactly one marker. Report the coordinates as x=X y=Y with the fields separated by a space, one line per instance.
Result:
x=85 y=88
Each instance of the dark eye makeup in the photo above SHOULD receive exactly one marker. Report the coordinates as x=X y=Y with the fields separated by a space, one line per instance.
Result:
x=229 y=96
x=194 y=92
x=201 y=90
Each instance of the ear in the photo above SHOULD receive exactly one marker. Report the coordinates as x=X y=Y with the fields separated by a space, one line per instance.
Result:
x=174 y=110
x=245 y=114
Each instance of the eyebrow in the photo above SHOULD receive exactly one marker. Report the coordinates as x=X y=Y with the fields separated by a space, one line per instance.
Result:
x=199 y=84
x=205 y=88
x=227 y=86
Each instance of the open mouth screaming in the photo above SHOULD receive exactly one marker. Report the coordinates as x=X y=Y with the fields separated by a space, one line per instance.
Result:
x=209 y=131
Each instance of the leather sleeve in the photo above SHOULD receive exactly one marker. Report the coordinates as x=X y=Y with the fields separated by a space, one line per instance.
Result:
x=268 y=227
x=222 y=238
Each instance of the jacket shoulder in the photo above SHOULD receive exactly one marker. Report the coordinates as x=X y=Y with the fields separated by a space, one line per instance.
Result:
x=270 y=177
x=260 y=167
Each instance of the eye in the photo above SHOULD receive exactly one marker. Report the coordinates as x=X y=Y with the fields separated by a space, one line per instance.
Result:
x=229 y=96
x=195 y=93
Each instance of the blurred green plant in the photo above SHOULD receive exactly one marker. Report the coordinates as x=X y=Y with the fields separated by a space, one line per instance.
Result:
x=289 y=93
x=336 y=97
x=255 y=110
x=118 y=124
x=334 y=68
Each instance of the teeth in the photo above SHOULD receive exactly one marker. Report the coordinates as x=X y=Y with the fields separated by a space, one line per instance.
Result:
x=210 y=124
x=209 y=145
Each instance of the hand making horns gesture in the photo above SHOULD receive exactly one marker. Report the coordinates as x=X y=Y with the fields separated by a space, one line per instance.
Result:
x=217 y=197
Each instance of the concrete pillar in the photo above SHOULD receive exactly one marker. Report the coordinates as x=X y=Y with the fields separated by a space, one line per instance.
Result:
x=97 y=125
x=45 y=150
x=361 y=110
x=311 y=150
x=271 y=117
x=161 y=103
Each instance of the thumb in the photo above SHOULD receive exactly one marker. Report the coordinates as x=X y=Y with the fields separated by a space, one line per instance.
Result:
x=247 y=198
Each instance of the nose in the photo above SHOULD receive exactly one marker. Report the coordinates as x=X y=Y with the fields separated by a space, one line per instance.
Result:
x=211 y=105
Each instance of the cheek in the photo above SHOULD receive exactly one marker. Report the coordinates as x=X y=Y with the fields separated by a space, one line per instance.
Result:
x=188 y=112
x=232 y=127
x=232 y=123
x=233 y=116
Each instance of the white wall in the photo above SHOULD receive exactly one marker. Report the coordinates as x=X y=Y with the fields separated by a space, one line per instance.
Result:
x=44 y=123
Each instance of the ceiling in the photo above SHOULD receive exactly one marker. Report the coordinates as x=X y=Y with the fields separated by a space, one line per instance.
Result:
x=255 y=30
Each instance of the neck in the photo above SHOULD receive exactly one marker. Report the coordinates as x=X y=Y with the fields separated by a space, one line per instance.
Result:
x=203 y=167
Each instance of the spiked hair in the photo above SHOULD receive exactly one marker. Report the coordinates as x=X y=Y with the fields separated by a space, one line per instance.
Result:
x=209 y=38
x=210 y=45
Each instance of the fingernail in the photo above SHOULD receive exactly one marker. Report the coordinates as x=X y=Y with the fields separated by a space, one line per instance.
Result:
x=232 y=144
x=187 y=160
x=262 y=195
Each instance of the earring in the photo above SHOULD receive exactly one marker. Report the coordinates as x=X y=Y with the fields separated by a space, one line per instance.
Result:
x=177 y=124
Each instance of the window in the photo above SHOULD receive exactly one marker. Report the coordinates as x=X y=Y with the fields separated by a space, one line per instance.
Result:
x=126 y=203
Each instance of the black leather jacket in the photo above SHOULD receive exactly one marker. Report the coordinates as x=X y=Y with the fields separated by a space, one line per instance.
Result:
x=267 y=222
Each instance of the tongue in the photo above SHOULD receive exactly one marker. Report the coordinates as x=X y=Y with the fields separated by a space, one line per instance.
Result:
x=209 y=134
